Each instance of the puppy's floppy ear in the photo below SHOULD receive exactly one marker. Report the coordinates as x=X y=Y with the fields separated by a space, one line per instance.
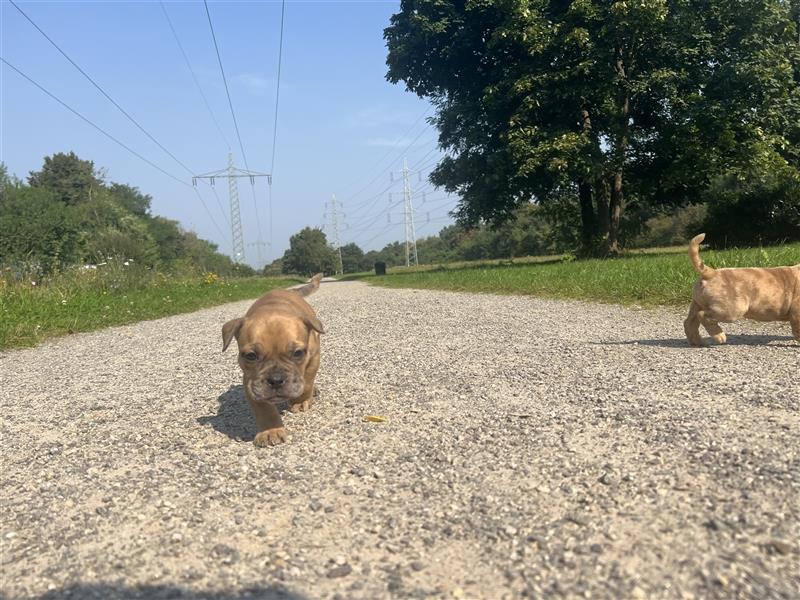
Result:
x=314 y=323
x=230 y=330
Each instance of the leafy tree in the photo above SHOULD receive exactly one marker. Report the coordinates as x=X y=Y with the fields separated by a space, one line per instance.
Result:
x=197 y=253
x=433 y=249
x=71 y=179
x=308 y=253
x=6 y=179
x=109 y=229
x=764 y=207
x=36 y=229
x=671 y=228
x=131 y=198
x=393 y=254
x=273 y=269
x=548 y=100
x=168 y=236
x=353 y=259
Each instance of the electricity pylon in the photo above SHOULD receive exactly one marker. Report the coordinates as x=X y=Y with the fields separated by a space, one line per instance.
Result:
x=232 y=174
x=333 y=227
x=408 y=214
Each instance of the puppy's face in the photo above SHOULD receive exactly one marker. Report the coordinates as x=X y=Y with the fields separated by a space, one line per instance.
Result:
x=273 y=353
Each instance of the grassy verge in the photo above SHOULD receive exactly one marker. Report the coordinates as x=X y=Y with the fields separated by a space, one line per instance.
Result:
x=645 y=279
x=32 y=311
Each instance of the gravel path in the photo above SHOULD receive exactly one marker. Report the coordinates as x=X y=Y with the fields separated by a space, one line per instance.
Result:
x=532 y=447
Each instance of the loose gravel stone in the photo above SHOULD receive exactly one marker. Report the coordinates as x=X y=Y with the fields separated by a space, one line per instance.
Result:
x=340 y=571
x=530 y=448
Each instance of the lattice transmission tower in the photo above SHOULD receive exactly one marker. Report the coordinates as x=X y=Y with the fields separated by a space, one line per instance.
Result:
x=408 y=215
x=232 y=174
x=332 y=214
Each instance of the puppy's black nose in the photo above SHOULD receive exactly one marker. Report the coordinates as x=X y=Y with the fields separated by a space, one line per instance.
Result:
x=276 y=380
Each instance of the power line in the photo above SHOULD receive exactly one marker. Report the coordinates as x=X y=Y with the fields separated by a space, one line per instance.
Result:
x=225 y=82
x=210 y=216
x=116 y=104
x=368 y=226
x=363 y=218
x=219 y=204
x=233 y=115
x=111 y=137
x=428 y=165
x=100 y=129
x=416 y=166
x=100 y=89
x=377 y=196
x=372 y=200
x=275 y=124
x=277 y=90
x=380 y=233
x=194 y=76
x=390 y=150
x=205 y=101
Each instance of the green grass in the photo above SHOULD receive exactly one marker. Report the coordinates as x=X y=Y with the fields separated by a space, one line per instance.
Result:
x=644 y=279
x=88 y=300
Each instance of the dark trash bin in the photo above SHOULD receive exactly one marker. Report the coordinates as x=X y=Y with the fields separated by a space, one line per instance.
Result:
x=380 y=268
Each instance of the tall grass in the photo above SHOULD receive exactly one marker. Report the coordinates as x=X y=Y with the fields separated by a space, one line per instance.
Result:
x=641 y=279
x=83 y=299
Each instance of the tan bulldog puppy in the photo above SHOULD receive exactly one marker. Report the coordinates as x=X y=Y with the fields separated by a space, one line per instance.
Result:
x=279 y=356
x=726 y=295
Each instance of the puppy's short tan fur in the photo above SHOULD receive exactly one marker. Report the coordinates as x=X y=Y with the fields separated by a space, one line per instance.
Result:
x=279 y=355
x=730 y=294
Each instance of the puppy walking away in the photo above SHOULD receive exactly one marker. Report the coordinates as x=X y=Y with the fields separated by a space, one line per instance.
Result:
x=279 y=356
x=725 y=295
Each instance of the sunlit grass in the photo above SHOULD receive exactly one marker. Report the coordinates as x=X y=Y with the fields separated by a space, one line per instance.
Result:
x=645 y=279
x=33 y=310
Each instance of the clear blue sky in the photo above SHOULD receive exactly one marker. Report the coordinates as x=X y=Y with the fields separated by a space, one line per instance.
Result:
x=342 y=128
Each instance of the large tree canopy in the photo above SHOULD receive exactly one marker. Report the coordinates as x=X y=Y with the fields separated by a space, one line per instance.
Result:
x=652 y=98
x=308 y=253
x=71 y=179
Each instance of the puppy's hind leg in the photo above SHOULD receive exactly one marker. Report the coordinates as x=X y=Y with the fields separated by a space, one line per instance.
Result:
x=713 y=328
x=692 y=325
x=795 y=321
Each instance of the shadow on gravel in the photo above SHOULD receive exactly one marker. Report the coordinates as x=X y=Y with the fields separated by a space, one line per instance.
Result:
x=733 y=340
x=122 y=592
x=233 y=417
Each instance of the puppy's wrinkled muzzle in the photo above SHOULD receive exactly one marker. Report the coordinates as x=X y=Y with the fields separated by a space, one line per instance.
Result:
x=276 y=380
x=275 y=389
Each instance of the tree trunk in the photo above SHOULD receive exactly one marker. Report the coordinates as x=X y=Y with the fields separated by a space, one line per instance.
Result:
x=603 y=209
x=616 y=212
x=585 y=193
x=588 y=220
x=621 y=149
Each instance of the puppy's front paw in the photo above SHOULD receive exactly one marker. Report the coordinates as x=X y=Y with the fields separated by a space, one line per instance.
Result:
x=270 y=437
x=301 y=406
x=720 y=338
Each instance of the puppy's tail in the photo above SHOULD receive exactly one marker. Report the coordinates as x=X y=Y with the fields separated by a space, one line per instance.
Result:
x=697 y=262
x=311 y=287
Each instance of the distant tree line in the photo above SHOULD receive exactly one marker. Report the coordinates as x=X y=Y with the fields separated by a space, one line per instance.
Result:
x=532 y=230
x=67 y=214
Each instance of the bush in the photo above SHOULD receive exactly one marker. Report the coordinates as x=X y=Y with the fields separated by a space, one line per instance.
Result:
x=36 y=229
x=754 y=209
x=672 y=229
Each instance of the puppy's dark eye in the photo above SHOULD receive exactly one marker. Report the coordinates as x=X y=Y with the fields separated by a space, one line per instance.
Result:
x=298 y=354
x=250 y=356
